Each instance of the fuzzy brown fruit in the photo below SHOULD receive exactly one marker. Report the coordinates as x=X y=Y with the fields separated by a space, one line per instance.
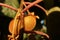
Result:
x=11 y=26
x=29 y=23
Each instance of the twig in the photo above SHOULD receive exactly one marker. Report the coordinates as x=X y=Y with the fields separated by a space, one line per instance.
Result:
x=27 y=10
x=32 y=4
x=38 y=32
x=38 y=7
x=41 y=33
x=8 y=6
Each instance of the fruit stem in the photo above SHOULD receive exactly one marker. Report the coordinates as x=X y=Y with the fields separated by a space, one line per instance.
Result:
x=32 y=4
x=38 y=7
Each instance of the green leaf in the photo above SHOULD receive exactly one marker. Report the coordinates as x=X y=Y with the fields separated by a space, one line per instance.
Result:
x=8 y=12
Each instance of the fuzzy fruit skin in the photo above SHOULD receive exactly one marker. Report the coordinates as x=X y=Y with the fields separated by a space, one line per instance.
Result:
x=11 y=26
x=29 y=24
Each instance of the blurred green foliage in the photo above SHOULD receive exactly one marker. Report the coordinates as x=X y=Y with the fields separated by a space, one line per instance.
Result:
x=8 y=12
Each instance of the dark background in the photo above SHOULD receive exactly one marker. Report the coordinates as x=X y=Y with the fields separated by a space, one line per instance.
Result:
x=53 y=21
